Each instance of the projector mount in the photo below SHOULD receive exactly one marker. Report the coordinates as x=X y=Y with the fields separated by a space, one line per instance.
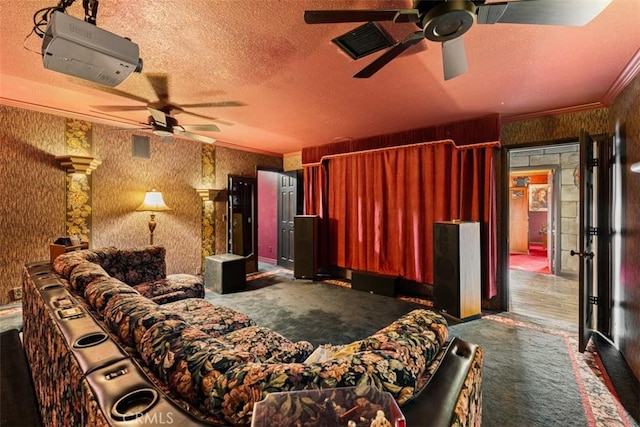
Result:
x=82 y=49
x=90 y=14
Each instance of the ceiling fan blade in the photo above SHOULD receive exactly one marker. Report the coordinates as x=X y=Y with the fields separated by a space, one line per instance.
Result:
x=335 y=16
x=214 y=104
x=389 y=55
x=158 y=116
x=204 y=128
x=160 y=84
x=197 y=137
x=202 y=116
x=542 y=12
x=454 y=58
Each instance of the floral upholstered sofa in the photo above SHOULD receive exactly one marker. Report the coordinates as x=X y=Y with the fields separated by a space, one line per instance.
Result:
x=111 y=339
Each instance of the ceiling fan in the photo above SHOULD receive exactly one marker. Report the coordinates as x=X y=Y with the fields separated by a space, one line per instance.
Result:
x=160 y=120
x=446 y=21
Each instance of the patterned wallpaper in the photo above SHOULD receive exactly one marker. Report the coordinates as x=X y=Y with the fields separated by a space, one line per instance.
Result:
x=33 y=188
x=292 y=163
x=32 y=191
x=119 y=185
x=555 y=127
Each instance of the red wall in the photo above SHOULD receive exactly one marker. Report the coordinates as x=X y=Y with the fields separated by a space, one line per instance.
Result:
x=268 y=216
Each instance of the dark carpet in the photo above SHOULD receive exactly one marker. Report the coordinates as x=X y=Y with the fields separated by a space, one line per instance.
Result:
x=18 y=402
x=532 y=374
x=313 y=311
x=528 y=378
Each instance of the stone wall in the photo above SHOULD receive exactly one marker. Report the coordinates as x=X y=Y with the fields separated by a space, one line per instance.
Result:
x=566 y=157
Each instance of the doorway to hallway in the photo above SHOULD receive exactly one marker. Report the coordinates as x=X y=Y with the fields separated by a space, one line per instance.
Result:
x=544 y=200
x=280 y=198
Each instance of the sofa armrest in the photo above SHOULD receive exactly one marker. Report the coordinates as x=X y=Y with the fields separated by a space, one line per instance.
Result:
x=457 y=379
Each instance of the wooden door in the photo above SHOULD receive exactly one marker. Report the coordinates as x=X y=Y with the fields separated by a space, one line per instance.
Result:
x=287 y=210
x=551 y=217
x=518 y=220
x=585 y=251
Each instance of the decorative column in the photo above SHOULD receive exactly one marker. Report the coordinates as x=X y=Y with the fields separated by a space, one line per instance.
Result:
x=78 y=163
x=208 y=218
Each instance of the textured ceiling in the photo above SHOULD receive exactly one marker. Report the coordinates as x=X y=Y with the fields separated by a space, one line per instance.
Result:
x=296 y=85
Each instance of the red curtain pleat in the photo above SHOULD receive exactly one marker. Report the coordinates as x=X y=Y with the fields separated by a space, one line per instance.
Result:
x=379 y=207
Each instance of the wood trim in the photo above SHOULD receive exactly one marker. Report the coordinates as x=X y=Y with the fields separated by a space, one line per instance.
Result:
x=626 y=76
x=554 y=112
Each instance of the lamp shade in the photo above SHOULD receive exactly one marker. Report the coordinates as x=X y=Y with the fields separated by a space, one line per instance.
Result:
x=153 y=202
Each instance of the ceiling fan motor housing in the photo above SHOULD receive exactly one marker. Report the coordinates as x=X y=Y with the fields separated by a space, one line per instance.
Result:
x=448 y=20
x=160 y=129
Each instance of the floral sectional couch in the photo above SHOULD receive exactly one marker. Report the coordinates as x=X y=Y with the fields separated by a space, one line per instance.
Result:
x=112 y=339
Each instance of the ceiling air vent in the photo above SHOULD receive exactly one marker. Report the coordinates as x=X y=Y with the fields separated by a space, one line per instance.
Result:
x=364 y=40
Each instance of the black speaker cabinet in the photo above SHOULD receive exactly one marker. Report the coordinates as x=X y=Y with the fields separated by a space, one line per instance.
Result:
x=374 y=283
x=456 y=269
x=225 y=273
x=305 y=246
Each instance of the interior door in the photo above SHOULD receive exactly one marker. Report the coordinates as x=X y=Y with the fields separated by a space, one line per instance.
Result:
x=287 y=210
x=518 y=220
x=242 y=233
x=586 y=287
x=551 y=210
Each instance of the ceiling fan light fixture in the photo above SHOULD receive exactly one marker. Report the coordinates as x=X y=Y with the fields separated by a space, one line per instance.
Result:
x=449 y=20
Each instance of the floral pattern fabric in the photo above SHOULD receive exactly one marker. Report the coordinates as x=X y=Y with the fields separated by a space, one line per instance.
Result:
x=130 y=316
x=267 y=345
x=99 y=292
x=84 y=274
x=65 y=263
x=172 y=288
x=61 y=388
x=392 y=360
x=134 y=266
x=187 y=359
x=210 y=319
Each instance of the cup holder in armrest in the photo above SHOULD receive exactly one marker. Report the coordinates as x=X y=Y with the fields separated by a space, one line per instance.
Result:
x=52 y=286
x=134 y=405
x=90 y=340
x=44 y=274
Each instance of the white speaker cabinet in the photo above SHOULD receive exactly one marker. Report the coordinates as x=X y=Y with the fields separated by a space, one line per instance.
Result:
x=456 y=269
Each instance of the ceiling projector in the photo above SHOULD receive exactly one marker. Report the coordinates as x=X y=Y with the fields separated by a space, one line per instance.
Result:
x=78 y=48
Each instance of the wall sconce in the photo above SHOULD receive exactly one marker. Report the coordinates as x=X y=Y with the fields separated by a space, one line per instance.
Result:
x=153 y=202
x=635 y=167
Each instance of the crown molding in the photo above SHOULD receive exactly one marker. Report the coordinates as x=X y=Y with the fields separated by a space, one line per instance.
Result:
x=626 y=76
x=554 y=112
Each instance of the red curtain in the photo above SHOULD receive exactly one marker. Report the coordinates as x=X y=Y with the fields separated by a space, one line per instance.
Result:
x=380 y=206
